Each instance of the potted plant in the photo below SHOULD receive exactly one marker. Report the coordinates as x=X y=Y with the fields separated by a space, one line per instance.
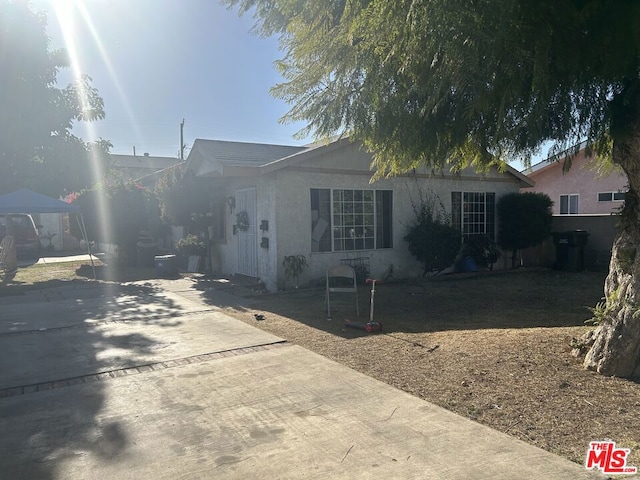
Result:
x=294 y=265
x=194 y=249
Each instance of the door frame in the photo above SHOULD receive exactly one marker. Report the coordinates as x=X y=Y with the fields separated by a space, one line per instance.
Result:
x=247 y=263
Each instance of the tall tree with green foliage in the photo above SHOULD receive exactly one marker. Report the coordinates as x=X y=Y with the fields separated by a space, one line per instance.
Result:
x=133 y=211
x=37 y=148
x=524 y=220
x=455 y=83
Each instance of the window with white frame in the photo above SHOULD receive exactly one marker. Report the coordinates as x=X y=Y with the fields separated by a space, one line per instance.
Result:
x=474 y=213
x=344 y=219
x=611 y=196
x=569 y=204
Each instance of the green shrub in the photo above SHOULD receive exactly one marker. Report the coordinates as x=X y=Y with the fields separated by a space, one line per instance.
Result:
x=294 y=265
x=431 y=238
x=482 y=249
x=191 y=245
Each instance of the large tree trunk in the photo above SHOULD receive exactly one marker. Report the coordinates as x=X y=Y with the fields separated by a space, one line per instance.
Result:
x=616 y=341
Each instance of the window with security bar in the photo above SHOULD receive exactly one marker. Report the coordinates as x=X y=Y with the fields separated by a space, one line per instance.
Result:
x=474 y=213
x=349 y=220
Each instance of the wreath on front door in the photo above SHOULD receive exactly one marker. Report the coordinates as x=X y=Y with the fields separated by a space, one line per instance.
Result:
x=242 y=221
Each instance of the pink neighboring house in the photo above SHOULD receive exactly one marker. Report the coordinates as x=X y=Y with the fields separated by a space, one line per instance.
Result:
x=579 y=191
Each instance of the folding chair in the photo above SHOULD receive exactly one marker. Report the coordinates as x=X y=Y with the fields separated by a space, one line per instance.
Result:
x=344 y=282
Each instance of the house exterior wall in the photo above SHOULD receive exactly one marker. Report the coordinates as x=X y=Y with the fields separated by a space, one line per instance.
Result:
x=267 y=256
x=581 y=179
x=225 y=253
x=284 y=201
x=293 y=211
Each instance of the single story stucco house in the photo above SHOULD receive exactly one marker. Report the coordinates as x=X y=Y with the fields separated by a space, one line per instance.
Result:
x=318 y=201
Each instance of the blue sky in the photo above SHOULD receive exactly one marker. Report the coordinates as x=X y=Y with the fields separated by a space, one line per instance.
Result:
x=155 y=62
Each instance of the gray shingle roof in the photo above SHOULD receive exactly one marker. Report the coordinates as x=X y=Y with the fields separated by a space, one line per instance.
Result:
x=243 y=154
x=144 y=161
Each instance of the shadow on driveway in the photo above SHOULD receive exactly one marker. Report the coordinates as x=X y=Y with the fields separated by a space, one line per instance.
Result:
x=50 y=336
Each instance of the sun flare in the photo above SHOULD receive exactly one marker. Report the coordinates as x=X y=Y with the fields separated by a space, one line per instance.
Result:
x=68 y=13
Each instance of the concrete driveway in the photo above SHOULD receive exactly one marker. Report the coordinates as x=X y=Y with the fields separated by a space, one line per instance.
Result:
x=146 y=381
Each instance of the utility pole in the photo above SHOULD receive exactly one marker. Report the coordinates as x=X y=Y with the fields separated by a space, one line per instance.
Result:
x=182 y=141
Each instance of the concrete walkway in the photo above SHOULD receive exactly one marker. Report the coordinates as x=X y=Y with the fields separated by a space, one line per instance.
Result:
x=69 y=258
x=144 y=381
x=61 y=258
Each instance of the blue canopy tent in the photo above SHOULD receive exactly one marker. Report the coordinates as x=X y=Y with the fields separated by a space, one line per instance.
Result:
x=27 y=201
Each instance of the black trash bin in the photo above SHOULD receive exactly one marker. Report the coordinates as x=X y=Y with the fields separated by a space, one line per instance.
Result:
x=570 y=250
x=166 y=265
x=146 y=249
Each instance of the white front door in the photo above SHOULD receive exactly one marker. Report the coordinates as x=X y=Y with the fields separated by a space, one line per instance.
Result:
x=247 y=240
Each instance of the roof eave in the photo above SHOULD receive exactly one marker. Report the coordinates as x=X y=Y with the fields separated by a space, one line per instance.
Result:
x=526 y=181
x=303 y=155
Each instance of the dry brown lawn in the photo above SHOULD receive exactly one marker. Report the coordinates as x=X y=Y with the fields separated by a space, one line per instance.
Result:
x=491 y=347
x=494 y=348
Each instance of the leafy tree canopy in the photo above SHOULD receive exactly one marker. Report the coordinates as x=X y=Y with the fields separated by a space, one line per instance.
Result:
x=37 y=148
x=455 y=83
x=452 y=83
x=133 y=212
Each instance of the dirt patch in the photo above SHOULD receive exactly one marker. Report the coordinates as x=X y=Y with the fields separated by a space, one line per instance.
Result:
x=493 y=348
